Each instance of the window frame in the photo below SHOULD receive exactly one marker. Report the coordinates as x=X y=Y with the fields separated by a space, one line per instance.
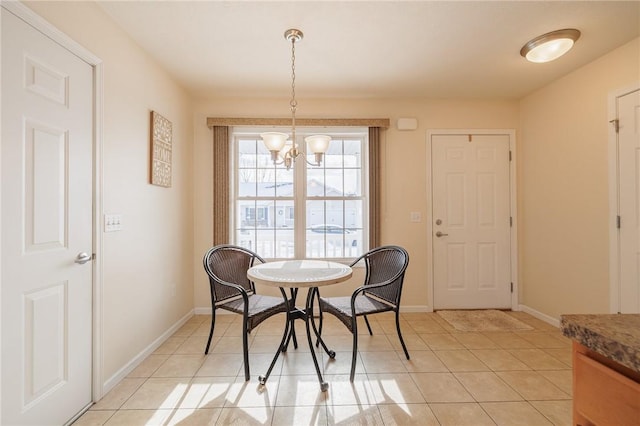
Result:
x=300 y=197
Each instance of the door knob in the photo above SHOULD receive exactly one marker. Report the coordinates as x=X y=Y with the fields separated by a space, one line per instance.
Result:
x=440 y=234
x=83 y=258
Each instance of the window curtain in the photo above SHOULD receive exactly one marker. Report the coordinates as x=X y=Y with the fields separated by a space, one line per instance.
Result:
x=374 y=187
x=221 y=185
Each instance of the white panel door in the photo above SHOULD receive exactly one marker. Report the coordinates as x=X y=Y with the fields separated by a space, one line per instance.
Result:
x=471 y=221
x=628 y=107
x=47 y=140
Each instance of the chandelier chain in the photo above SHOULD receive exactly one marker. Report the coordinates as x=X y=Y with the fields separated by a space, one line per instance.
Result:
x=293 y=102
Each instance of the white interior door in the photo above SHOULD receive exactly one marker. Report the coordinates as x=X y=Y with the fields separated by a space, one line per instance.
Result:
x=46 y=169
x=628 y=108
x=471 y=221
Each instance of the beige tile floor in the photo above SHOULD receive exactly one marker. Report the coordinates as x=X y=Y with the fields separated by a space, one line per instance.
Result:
x=453 y=378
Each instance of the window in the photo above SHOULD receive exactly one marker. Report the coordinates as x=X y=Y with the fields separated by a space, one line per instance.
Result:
x=308 y=211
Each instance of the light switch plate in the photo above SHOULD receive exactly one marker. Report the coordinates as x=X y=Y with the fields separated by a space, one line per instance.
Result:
x=112 y=222
x=416 y=217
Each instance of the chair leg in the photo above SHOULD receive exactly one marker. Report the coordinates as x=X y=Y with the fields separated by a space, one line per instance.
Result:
x=354 y=355
x=368 y=326
x=404 y=347
x=245 y=347
x=213 y=324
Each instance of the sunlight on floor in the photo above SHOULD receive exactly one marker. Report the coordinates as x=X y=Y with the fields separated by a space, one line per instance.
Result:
x=453 y=378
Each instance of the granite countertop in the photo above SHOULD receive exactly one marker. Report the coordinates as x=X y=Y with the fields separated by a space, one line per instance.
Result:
x=615 y=336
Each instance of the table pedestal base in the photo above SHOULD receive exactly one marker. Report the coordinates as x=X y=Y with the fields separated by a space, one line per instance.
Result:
x=305 y=314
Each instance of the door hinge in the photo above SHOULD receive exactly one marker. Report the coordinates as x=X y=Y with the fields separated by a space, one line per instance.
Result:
x=616 y=124
x=618 y=221
x=511 y=287
x=511 y=221
x=509 y=155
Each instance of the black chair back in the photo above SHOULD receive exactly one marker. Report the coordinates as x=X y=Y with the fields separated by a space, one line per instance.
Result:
x=228 y=264
x=386 y=264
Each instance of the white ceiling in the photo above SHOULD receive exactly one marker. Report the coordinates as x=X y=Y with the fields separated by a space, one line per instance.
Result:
x=369 y=49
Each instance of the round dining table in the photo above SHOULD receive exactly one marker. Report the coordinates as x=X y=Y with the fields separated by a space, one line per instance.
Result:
x=295 y=274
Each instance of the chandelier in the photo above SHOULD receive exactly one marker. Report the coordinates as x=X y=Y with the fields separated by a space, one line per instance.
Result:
x=276 y=142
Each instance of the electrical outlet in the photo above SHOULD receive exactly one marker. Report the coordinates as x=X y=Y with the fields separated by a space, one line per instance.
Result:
x=112 y=222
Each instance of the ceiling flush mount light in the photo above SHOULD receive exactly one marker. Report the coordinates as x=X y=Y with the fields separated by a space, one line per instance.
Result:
x=276 y=142
x=550 y=46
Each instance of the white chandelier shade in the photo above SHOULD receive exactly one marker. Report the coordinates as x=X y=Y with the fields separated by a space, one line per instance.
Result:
x=318 y=143
x=274 y=141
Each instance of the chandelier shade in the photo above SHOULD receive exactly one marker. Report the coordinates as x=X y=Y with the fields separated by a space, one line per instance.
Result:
x=318 y=144
x=274 y=141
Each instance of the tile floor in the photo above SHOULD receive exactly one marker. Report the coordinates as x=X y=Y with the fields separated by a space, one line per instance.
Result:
x=453 y=378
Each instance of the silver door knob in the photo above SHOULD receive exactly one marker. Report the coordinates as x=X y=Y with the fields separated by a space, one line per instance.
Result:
x=82 y=258
x=440 y=234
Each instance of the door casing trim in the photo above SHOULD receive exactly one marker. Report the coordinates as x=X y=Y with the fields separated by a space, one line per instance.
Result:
x=511 y=133
x=614 y=198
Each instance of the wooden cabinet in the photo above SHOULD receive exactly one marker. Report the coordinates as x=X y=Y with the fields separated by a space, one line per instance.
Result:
x=604 y=392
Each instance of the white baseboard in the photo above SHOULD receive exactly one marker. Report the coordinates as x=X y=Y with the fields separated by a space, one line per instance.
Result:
x=207 y=311
x=407 y=309
x=544 y=317
x=415 y=308
x=203 y=311
x=135 y=361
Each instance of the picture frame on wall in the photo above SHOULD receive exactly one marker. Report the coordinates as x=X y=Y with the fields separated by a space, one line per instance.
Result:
x=161 y=150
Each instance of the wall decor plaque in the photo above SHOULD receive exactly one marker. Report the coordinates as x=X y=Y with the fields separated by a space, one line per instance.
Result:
x=161 y=139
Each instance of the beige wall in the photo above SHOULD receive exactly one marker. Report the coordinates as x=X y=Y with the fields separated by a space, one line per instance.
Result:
x=563 y=186
x=403 y=167
x=154 y=251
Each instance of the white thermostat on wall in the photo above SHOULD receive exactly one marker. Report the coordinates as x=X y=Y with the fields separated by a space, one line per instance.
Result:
x=407 y=124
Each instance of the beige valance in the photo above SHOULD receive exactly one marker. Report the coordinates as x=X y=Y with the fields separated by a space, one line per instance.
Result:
x=302 y=122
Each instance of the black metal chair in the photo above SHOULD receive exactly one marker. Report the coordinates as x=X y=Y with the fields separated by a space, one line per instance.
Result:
x=227 y=265
x=381 y=292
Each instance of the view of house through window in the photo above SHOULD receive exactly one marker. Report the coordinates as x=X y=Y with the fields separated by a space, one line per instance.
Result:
x=308 y=211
